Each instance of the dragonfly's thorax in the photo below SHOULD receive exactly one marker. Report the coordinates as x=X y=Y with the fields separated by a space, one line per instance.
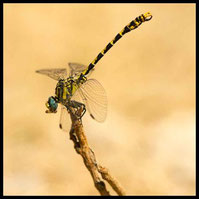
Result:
x=65 y=89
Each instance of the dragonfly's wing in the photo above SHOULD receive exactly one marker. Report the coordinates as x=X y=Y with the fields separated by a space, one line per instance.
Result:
x=94 y=97
x=64 y=122
x=77 y=97
x=76 y=68
x=54 y=73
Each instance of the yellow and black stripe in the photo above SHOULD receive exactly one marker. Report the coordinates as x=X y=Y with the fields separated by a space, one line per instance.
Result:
x=131 y=26
x=65 y=89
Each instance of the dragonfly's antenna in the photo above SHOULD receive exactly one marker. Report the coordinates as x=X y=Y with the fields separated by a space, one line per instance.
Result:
x=131 y=26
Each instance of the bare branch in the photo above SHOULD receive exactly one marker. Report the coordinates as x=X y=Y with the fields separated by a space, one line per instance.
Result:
x=97 y=172
x=111 y=180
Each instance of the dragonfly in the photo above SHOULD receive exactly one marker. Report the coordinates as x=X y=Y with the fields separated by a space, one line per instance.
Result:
x=76 y=91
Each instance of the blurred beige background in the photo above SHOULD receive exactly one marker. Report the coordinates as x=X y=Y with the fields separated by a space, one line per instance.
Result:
x=148 y=139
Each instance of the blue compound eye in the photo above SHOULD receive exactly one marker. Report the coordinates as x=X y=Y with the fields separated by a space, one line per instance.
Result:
x=51 y=104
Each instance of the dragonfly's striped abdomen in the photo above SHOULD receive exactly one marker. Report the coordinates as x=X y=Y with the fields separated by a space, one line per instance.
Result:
x=131 y=26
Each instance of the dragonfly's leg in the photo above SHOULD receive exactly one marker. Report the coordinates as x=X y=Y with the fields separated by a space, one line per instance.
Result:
x=68 y=108
x=79 y=107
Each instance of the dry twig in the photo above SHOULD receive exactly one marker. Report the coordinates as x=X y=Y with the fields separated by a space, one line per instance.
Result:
x=97 y=172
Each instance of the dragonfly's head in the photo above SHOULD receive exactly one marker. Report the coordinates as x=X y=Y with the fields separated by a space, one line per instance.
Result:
x=51 y=104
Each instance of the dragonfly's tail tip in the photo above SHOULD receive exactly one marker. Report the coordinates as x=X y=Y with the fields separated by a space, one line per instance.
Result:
x=148 y=16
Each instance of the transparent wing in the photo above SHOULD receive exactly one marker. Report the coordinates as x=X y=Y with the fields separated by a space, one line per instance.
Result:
x=77 y=97
x=54 y=73
x=94 y=97
x=64 y=122
x=76 y=68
